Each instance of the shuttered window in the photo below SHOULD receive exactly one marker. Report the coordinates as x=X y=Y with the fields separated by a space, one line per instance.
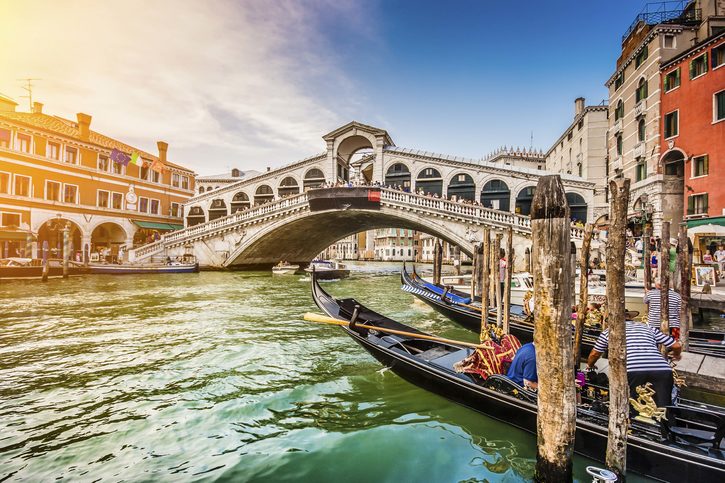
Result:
x=698 y=66
x=700 y=165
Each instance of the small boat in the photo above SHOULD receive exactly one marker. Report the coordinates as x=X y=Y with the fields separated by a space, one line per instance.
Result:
x=284 y=268
x=32 y=268
x=328 y=269
x=685 y=446
x=146 y=268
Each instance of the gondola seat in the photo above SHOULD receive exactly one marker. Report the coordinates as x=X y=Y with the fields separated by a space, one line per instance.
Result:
x=697 y=426
x=505 y=385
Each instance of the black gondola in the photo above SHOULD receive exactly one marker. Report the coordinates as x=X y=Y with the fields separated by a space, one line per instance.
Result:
x=657 y=452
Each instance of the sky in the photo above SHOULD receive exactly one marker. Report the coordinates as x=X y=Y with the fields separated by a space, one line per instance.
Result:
x=257 y=83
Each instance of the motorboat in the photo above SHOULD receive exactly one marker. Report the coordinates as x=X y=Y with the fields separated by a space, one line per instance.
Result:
x=284 y=268
x=328 y=269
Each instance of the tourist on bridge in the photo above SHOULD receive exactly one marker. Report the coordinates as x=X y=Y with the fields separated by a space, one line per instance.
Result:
x=653 y=299
x=645 y=363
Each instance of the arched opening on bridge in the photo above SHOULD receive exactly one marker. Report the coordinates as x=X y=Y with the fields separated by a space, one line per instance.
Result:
x=240 y=202
x=288 y=187
x=217 y=209
x=52 y=232
x=314 y=178
x=524 y=199
x=577 y=207
x=345 y=152
x=496 y=195
x=264 y=194
x=201 y=189
x=108 y=236
x=398 y=175
x=430 y=182
x=462 y=187
x=195 y=216
x=673 y=163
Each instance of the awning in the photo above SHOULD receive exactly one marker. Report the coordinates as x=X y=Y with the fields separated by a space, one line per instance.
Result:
x=717 y=220
x=153 y=225
x=14 y=235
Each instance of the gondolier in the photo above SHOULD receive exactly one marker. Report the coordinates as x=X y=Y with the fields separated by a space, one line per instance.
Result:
x=652 y=298
x=645 y=363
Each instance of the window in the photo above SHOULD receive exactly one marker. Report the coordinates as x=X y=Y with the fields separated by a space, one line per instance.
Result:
x=22 y=142
x=53 y=150
x=671 y=125
x=641 y=171
x=619 y=111
x=155 y=207
x=718 y=56
x=117 y=201
x=185 y=182
x=103 y=163
x=719 y=107
x=697 y=204
x=580 y=125
x=103 y=199
x=10 y=219
x=155 y=176
x=700 y=166
x=619 y=145
x=22 y=185
x=71 y=155
x=461 y=178
x=52 y=190
x=176 y=210
x=143 y=205
x=669 y=42
x=70 y=193
x=698 y=66
x=641 y=93
x=175 y=180
x=619 y=81
x=641 y=130
x=4 y=138
x=5 y=183
x=143 y=171
x=641 y=57
x=672 y=80
x=118 y=168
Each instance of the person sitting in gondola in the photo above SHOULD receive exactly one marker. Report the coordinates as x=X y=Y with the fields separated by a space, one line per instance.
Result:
x=523 y=368
x=645 y=363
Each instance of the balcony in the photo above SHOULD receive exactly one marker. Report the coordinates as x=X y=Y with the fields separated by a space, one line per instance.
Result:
x=675 y=12
x=639 y=150
x=640 y=108
x=618 y=126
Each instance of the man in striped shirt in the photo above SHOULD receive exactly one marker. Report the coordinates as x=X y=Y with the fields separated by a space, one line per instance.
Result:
x=653 y=300
x=644 y=362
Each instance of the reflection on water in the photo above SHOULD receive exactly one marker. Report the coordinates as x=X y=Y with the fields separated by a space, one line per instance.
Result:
x=215 y=377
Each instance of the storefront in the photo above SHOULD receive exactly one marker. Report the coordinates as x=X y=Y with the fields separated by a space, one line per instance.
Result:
x=151 y=231
x=706 y=234
x=15 y=243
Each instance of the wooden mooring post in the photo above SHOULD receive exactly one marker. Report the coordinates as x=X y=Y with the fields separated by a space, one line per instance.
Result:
x=479 y=269
x=485 y=278
x=474 y=270
x=556 y=417
x=616 y=458
x=647 y=258
x=684 y=261
x=581 y=311
x=66 y=250
x=663 y=264
x=507 y=280
x=437 y=262
x=497 y=279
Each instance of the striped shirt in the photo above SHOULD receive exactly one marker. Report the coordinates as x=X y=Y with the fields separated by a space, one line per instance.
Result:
x=642 y=353
x=653 y=300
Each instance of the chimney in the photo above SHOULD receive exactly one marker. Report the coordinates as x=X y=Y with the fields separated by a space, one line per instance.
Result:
x=84 y=125
x=269 y=169
x=38 y=108
x=578 y=106
x=163 y=147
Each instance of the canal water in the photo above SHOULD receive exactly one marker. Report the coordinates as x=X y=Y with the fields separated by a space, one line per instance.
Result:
x=215 y=377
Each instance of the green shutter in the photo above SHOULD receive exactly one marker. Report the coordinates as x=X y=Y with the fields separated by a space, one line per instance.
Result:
x=667 y=82
x=677 y=77
x=707 y=205
x=692 y=69
x=704 y=62
x=706 y=165
x=690 y=205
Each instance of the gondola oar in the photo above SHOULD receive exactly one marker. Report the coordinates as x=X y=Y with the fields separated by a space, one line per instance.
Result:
x=322 y=319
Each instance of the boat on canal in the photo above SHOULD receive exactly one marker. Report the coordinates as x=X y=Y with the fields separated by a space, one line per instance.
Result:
x=284 y=268
x=686 y=445
x=171 y=266
x=16 y=268
x=328 y=269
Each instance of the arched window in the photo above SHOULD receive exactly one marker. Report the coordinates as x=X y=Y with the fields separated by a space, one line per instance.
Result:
x=641 y=130
x=195 y=216
x=264 y=194
x=217 y=209
x=496 y=195
x=619 y=111
x=462 y=186
x=523 y=200
x=641 y=90
x=240 y=202
x=288 y=186
x=314 y=178
x=201 y=189
x=429 y=181
x=577 y=207
x=619 y=144
x=398 y=175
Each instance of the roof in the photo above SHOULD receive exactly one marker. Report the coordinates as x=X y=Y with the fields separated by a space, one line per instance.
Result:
x=713 y=39
x=228 y=176
x=64 y=127
x=7 y=100
x=362 y=127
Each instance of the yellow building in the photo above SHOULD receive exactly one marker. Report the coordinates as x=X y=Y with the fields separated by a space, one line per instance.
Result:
x=57 y=173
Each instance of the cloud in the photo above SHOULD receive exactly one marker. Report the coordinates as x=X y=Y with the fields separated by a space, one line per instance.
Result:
x=251 y=83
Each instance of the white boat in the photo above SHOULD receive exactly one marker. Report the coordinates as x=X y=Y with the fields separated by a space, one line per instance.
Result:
x=328 y=269
x=284 y=268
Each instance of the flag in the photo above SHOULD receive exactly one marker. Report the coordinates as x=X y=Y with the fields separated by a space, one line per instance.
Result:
x=136 y=159
x=158 y=166
x=119 y=158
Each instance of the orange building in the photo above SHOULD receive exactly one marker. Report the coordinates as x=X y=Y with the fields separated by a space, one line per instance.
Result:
x=56 y=173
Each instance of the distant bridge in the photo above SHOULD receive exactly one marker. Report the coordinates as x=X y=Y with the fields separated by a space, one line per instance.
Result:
x=267 y=218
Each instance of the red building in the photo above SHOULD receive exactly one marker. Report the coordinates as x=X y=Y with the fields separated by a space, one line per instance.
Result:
x=692 y=136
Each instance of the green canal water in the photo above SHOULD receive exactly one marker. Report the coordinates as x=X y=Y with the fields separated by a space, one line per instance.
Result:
x=215 y=377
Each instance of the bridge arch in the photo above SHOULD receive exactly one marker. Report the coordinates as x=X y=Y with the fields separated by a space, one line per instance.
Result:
x=240 y=201
x=314 y=178
x=462 y=186
x=288 y=186
x=196 y=216
x=263 y=194
x=217 y=209
x=398 y=174
x=429 y=180
x=523 y=200
x=496 y=194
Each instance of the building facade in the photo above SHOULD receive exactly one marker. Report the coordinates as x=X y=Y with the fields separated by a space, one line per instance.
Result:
x=58 y=174
x=396 y=244
x=582 y=151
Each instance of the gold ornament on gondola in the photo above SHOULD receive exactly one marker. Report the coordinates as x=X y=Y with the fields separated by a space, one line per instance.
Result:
x=645 y=406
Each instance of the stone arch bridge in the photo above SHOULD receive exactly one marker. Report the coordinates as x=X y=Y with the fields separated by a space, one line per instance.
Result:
x=260 y=220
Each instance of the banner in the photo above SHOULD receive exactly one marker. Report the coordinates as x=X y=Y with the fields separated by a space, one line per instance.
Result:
x=119 y=158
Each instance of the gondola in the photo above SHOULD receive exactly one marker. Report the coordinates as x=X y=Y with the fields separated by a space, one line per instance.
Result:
x=452 y=304
x=653 y=451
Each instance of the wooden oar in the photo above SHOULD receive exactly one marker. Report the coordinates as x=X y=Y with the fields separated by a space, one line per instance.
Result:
x=322 y=319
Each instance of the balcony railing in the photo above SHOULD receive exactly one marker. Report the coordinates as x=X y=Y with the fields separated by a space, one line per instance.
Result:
x=640 y=108
x=639 y=150
x=618 y=126
x=665 y=12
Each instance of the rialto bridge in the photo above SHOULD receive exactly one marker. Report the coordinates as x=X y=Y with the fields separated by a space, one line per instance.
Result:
x=261 y=220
